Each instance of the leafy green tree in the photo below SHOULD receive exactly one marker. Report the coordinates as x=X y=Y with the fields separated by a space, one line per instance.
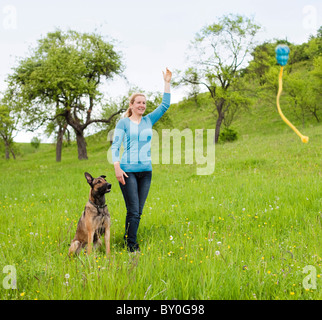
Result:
x=219 y=52
x=7 y=126
x=298 y=94
x=61 y=79
x=263 y=59
x=316 y=87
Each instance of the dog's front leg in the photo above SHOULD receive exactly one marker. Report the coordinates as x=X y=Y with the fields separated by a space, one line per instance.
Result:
x=90 y=241
x=107 y=236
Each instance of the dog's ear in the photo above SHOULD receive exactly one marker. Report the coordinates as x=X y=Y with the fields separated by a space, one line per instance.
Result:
x=103 y=177
x=89 y=178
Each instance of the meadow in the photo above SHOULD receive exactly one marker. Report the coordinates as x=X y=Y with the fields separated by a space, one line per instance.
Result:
x=245 y=232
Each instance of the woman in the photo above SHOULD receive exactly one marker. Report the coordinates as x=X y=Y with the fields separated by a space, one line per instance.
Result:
x=134 y=170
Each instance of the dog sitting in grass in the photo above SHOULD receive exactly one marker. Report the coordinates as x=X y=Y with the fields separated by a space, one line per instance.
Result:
x=95 y=220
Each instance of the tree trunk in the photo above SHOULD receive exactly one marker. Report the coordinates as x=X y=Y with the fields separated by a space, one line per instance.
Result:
x=316 y=116
x=7 y=150
x=59 y=144
x=221 y=116
x=79 y=131
x=13 y=154
x=218 y=125
x=81 y=145
x=68 y=136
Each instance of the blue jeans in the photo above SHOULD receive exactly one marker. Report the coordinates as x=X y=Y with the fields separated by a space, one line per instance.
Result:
x=135 y=192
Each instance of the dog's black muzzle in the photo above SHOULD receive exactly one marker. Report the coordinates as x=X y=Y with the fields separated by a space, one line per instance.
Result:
x=108 y=188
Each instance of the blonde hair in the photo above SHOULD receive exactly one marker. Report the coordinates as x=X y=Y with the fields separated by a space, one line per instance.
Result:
x=128 y=112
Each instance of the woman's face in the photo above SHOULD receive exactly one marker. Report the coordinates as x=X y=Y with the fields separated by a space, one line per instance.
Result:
x=138 y=106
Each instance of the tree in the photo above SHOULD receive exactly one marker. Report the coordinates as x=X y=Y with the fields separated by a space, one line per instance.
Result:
x=61 y=80
x=296 y=88
x=263 y=59
x=7 y=126
x=317 y=83
x=221 y=49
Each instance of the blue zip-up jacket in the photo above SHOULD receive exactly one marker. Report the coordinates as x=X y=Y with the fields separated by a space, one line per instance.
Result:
x=136 y=139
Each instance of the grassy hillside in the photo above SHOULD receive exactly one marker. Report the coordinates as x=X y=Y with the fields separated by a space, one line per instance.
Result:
x=261 y=118
x=244 y=232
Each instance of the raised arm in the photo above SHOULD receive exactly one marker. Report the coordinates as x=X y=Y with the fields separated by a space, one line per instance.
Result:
x=167 y=79
x=159 y=111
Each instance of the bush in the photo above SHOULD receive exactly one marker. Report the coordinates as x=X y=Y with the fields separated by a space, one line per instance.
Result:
x=228 y=135
x=35 y=142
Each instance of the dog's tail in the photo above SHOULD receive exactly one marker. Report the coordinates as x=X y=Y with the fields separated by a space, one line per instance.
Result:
x=75 y=247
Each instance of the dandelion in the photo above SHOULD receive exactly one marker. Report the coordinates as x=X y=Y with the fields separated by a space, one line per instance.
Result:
x=67 y=276
x=292 y=293
x=219 y=243
x=22 y=294
x=217 y=253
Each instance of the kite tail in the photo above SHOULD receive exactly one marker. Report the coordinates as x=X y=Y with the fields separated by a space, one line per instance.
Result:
x=280 y=89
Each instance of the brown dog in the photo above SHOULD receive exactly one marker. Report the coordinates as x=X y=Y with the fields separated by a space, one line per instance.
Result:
x=95 y=220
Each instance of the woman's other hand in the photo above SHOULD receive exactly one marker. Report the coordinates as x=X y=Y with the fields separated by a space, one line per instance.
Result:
x=119 y=173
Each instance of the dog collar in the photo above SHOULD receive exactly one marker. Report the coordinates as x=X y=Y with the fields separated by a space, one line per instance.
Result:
x=97 y=206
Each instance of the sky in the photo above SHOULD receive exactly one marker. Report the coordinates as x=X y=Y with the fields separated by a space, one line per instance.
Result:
x=150 y=34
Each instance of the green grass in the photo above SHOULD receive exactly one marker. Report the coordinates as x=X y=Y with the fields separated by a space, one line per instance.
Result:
x=244 y=232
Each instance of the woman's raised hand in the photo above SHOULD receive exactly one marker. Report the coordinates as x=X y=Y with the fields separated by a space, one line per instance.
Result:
x=167 y=75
